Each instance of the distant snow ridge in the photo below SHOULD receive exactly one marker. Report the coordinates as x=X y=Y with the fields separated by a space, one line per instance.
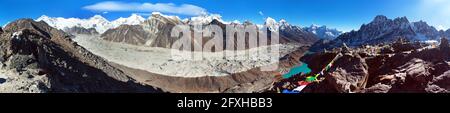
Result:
x=204 y=19
x=323 y=32
x=157 y=14
x=134 y=19
x=99 y=23
x=284 y=26
x=196 y=20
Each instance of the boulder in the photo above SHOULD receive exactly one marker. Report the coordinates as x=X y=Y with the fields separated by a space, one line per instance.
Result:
x=440 y=83
x=345 y=49
x=417 y=70
x=378 y=88
x=348 y=74
x=22 y=62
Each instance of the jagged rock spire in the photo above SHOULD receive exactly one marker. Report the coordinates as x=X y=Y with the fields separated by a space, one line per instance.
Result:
x=444 y=44
x=345 y=48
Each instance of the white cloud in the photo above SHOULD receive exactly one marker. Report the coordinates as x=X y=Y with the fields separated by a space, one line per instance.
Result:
x=261 y=13
x=183 y=9
x=105 y=12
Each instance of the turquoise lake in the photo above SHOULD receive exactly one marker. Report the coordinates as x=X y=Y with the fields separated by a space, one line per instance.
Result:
x=303 y=68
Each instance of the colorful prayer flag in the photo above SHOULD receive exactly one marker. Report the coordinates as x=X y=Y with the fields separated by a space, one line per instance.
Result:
x=300 y=88
x=310 y=79
x=289 y=92
x=301 y=83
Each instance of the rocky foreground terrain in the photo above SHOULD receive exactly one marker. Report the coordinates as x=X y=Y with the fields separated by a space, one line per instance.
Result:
x=400 y=67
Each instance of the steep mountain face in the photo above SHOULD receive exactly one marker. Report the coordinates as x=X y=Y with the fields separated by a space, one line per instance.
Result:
x=293 y=33
x=323 y=32
x=38 y=58
x=159 y=27
x=272 y=24
x=80 y=30
x=204 y=19
x=154 y=32
x=382 y=30
x=447 y=33
x=157 y=30
x=99 y=23
x=130 y=34
x=425 y=31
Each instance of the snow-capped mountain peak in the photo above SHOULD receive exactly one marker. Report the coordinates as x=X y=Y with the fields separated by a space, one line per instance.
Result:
x=43 y=17
x=134 y=19
x=205 y=19
x=323 y=32
x=236 y=22
x=272 y=24
x=98 y=22
x=315 y=26
x=284 y=23
x=98 y=18
x=159 y=14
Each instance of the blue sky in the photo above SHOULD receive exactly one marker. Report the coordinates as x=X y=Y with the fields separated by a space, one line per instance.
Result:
x=341 y=14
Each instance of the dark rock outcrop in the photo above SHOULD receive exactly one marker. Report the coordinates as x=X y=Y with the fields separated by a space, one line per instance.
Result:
x=349 y=74
x=80 y=30
x=444 y=44
x=295 y=34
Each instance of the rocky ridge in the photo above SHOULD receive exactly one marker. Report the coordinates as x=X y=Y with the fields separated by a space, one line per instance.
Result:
x=382 y=30
x=38 y=58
